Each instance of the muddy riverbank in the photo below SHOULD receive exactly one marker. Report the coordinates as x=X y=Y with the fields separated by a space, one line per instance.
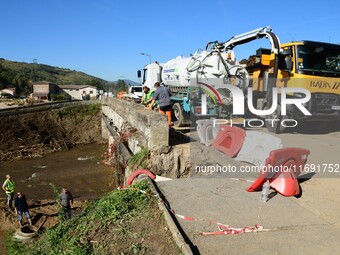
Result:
x=39 y=132
x=80 y=169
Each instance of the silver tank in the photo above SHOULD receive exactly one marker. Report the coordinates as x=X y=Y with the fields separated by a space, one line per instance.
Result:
x=207 y=66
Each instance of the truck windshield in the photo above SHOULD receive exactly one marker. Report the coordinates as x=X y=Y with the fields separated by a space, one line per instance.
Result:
x=319 y=60
x=136 y=89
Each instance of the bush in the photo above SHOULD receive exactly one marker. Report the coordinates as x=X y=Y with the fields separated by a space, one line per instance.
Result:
x=60 y=97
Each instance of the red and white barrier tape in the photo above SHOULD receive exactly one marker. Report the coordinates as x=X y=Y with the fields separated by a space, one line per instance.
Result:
x=227 y=230
x=242 y=180
x=224 y=229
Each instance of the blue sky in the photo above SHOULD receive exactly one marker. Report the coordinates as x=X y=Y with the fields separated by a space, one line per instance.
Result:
x=104 y=38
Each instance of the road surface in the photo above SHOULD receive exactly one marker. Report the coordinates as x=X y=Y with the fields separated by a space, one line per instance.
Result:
x=309 y=224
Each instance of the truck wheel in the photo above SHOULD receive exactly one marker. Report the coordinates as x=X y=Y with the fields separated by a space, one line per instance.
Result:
x=178 y=116
x=275 y=126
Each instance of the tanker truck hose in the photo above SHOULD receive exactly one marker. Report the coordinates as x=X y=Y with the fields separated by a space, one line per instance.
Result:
x=208 y=55
x=200 y=65
x=194 y=69
x=139 y=172
x=273 y=76
x=210 y=43
x=224 y=63
x=276 y=46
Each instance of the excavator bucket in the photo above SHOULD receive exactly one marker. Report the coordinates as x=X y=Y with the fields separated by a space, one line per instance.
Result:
x=282 y=168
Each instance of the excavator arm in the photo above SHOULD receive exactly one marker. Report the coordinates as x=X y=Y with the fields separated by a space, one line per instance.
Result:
x=265 y=32
x=253 y=35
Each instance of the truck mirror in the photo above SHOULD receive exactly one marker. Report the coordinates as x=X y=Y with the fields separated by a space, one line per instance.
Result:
x=286 y=64
x=289 y=64
x=139 y=73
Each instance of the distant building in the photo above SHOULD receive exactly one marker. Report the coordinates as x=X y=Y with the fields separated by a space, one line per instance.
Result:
x=43 y=89
x=81 y=92
x=10 y=90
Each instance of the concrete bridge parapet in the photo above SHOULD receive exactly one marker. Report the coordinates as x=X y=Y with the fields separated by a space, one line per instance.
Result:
x=146 y=128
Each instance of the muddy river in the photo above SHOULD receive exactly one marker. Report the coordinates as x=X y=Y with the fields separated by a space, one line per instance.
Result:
x=80 y=170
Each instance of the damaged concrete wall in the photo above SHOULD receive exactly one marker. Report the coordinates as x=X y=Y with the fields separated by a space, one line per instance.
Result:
x=172 y=161
x=144 y=128
x=139 y=128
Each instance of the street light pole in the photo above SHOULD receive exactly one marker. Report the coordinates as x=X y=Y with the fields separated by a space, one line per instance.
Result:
x=144 y=54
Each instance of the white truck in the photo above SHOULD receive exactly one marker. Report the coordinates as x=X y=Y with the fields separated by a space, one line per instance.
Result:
x=135 y=93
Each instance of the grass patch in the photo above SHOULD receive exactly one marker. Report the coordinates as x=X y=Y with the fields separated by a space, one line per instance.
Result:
x=114 y=220
x=139 y=158
x=81 y=110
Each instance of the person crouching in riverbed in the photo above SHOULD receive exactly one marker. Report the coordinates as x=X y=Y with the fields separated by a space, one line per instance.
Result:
x=20 y=207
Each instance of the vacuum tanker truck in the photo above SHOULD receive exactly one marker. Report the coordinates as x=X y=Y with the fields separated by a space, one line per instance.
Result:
x=212 y=83
x=198 y=82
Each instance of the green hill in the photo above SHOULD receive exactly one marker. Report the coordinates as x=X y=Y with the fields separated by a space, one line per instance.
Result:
x=22 y=75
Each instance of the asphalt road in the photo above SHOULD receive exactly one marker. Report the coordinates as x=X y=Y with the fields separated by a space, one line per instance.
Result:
x=309 y=224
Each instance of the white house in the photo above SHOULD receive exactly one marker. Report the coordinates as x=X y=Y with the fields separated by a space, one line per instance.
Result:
x=80 y=92
x=8 y=91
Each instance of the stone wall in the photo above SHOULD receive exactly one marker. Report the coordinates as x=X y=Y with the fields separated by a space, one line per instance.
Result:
x=128 y=123
x=143 y=128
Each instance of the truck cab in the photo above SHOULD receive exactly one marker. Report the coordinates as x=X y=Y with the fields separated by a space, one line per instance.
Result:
x=150 y=74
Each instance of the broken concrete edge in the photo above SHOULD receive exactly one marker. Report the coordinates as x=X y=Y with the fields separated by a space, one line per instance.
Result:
x=150 y=124
x=176 y=233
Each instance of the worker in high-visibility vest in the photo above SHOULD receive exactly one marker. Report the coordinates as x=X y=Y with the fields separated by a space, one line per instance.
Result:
x=9 y=188
x=147 y=96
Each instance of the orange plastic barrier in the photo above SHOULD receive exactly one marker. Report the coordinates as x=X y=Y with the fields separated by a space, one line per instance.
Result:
x=282 y=168
x=229 y=140
x=120 y=94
